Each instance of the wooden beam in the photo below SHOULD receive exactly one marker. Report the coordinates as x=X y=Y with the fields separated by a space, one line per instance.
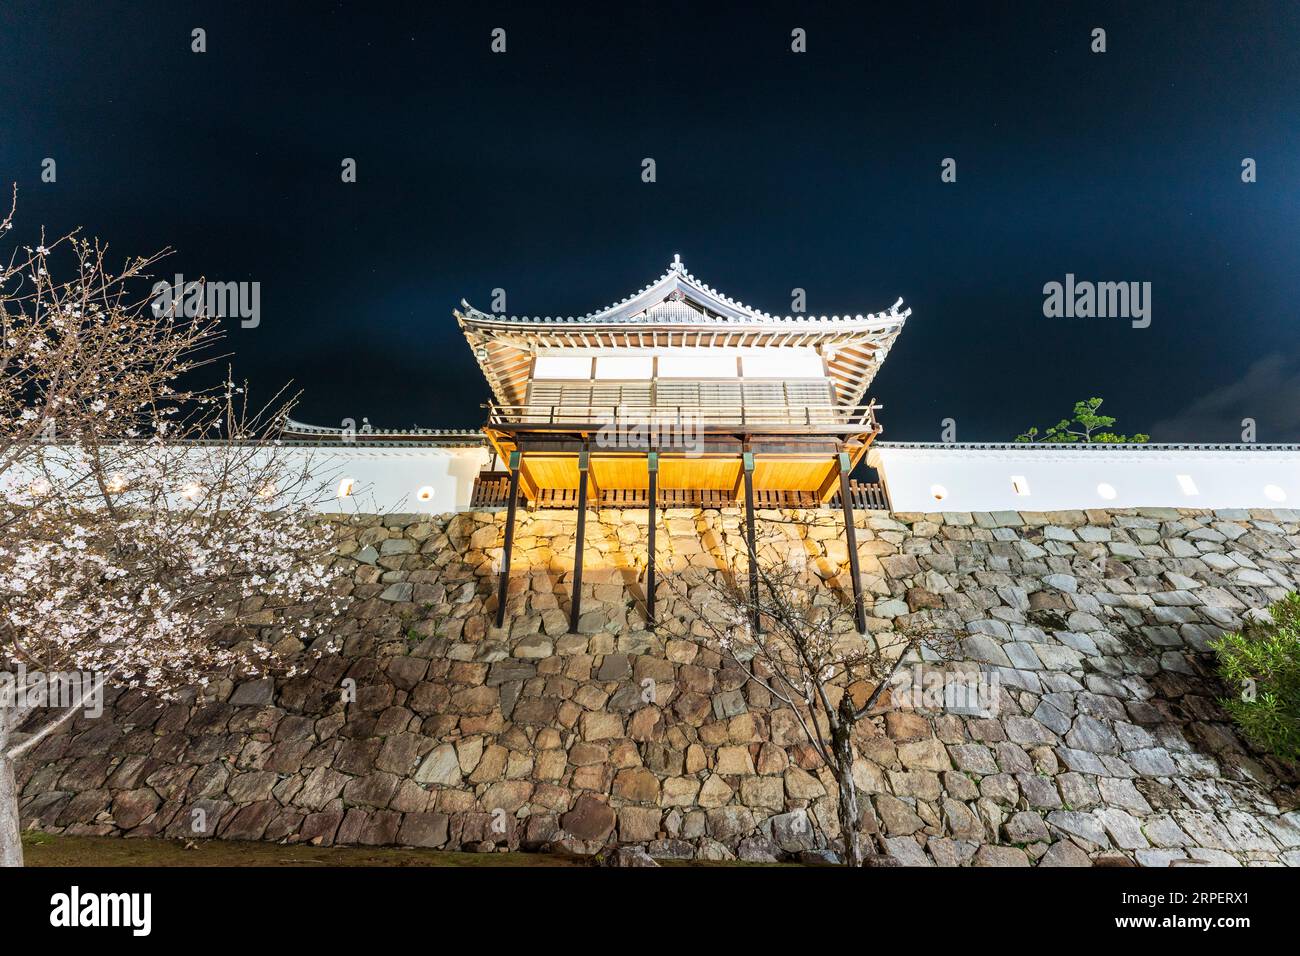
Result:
x=652 y=462
x=747 y=467
x=827 y=489
x=504 y=585
x=851 y=539
x=741 y=482
x=575 y=605
x=856 y=456
x=530 y=486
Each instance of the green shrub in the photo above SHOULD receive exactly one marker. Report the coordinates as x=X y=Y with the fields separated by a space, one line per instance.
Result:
x=1263 y=661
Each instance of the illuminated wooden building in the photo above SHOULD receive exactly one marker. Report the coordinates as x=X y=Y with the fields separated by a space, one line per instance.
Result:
x=680 y=396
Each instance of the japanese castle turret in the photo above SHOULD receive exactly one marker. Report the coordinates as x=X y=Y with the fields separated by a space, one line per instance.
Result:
x=679 y=395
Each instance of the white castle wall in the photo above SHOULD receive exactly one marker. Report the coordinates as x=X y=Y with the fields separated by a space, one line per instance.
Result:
x=383 y=479
x=971 y=477
x=1058 y=478
x=389 y=479
x=919 y=477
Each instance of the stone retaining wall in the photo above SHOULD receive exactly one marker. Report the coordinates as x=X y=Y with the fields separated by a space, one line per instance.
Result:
x=1107 y=743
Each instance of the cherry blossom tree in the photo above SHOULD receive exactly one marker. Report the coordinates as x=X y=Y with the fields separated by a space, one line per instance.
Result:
x=153 y=533
x=807 y=653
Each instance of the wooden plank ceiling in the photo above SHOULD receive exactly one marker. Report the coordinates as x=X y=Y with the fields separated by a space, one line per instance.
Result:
x=808 y=474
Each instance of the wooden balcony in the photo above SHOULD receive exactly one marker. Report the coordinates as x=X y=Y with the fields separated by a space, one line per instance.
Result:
x=751 y=418
x=492 y=491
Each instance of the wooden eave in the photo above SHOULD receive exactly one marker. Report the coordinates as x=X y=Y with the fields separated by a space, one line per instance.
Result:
x=854 y=345
x=854 y=352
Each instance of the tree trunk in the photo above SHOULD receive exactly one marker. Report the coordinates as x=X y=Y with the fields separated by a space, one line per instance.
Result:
x=11 y=829
x=849 y=813
x=11 y=842
x=850 y=819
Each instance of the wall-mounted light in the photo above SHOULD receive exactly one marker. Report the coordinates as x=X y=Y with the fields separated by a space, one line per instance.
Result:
x=116 y=483
x=1106 y=491
x=1019 y=484
x=267 y=491
x=1189 y=487
x=1274 y=493
x=939 y=492
x=346 y=486
x=191 y=491
x=425 y=493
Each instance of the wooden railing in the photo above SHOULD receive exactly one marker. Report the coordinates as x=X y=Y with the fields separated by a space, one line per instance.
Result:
x=492 y=490
x=685 y=417
x=866 y=496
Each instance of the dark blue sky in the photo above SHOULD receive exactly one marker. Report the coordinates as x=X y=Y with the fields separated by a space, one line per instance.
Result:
x=775 y=170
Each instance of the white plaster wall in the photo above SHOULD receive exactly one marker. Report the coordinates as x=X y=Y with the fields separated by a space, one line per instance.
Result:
x=387 y=479
x=384 y=479
x=1062 y=477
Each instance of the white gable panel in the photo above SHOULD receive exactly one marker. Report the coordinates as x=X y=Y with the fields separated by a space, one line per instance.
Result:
x=624 y=367
x=784 y=363
x=563 y=366
x=698 y=366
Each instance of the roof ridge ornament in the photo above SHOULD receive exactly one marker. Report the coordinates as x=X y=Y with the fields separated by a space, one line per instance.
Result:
x=677 y=264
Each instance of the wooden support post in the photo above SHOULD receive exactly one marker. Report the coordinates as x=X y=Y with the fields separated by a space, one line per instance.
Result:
x=511 y=505
x=652 y=462
x=747 y=466
x=575 y=606
x=851 y=539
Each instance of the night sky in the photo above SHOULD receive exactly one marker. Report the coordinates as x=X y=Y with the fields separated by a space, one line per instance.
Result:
x=775 y=170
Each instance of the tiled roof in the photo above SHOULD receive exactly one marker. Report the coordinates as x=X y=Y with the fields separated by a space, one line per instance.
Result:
x=444 y=437
x=647 y=305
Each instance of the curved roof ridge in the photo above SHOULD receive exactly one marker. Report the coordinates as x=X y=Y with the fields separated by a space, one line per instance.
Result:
x=674 y=279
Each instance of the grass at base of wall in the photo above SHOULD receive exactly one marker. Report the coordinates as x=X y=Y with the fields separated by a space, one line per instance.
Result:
x=47 y=849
